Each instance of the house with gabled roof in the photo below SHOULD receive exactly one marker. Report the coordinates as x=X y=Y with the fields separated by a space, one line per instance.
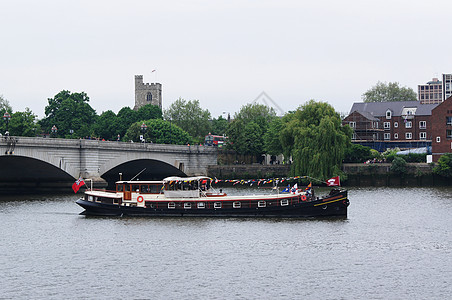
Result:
x=383 y=125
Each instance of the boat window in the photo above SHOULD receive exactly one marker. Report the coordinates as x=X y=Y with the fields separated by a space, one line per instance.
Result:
x=127 y=188
x=284 y=202
x=144 y=188
x=154 y=189
x=90 y=198
x=217 y=205
x=236 y=204
x=187 y=205
x=120 y=187
x=115 y=201
x=98 y=199
x=261 y=204
x=171 y=205
x=135 y=188
x=201 y=205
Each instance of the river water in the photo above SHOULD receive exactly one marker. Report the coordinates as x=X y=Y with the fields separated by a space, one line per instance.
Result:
x=395 y=244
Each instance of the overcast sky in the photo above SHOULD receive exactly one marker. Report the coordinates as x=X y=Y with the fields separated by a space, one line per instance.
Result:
x=223 y=53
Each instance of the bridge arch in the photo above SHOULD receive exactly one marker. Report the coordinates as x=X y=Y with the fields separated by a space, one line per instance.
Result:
x=148 y=169
x=26 y=174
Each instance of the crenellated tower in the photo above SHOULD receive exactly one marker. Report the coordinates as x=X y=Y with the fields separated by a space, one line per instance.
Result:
x=146 y=93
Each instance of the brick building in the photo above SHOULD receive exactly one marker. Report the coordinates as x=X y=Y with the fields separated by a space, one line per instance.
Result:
x=382 y=125
x=442 y=129
x=431 y=92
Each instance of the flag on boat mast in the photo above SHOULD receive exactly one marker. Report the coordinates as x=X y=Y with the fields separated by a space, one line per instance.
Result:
x=77 y=184
x=335 y=181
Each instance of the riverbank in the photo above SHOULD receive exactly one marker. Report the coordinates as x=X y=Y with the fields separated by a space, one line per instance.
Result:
x=379 y=174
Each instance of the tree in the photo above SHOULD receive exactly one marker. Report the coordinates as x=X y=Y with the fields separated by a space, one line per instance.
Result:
x=219 y=126
x=70 y=113
x=444 y=165
x=189 y=116
x=4 y=105
x=124 y=119
x=315 y=139
x=272 y=139
x=160 y=132
x=148 y=112
x=398 y=165
x=106 y=126
x=388 y=92
x=246 y=132
x=357 y=154
x=24 y=123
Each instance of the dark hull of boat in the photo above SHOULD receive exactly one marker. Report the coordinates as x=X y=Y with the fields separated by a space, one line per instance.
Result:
x=334 y=207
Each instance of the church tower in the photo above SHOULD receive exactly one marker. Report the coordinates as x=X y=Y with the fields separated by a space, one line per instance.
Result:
x=146 y=93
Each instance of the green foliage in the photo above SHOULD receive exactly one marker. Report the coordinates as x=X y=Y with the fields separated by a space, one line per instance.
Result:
x=272 y=141
x=189 y=116
x=24 y=124
x=4 y=105
x=124 y=119
x=69 y=111
x=390 y=154
x=398 y=166
x=316 y=140
x=388 y=92
x=415 y=157
x=444 y=165
x=357 y=154
x=160 y=132
x=106 y=126
x=246 y=132
x=219 y=126
x=148 y=112
x=109 y=125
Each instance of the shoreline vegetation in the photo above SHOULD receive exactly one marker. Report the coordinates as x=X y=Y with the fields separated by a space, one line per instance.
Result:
x=356 y=174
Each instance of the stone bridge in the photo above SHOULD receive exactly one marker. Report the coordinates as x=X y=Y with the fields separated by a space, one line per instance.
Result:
x=37 y=162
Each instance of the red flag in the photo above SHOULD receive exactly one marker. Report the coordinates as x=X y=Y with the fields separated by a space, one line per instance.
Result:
x=77 y=184
x=335 y=181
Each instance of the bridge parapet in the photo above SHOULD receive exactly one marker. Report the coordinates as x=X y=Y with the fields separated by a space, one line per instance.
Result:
x=92 y=158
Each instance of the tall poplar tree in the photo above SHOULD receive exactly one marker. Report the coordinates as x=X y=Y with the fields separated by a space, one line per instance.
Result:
x=314 y=137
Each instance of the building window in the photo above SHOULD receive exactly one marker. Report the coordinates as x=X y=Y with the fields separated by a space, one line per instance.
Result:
x=375 y=124
x=388 y=114
x=422 y=124
x=396 y=136
x=422 y=135
x=352 y=124
x=353 y=136
x=149 y=97
x=438 y=139
x=408 y=135
x=448 y=120
x=387 y=136
x=396 y=124
x=387 y=125
x=449 y=134
x=408 y=124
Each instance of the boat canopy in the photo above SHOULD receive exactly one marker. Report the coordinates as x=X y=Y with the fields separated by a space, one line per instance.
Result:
x=185 y=179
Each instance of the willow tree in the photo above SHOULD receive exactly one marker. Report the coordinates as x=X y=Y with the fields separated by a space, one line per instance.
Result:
x=314 y=137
